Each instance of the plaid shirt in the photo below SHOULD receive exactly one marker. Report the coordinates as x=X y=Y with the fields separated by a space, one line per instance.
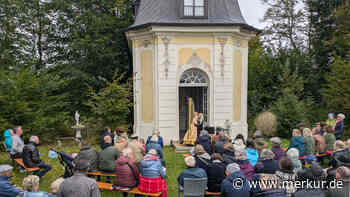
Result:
x=79 y=186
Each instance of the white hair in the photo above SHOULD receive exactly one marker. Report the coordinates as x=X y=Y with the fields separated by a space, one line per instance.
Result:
x=127 y=151
x=293 y=152
x=190 y=161
x=56 y=185
x=33 y=138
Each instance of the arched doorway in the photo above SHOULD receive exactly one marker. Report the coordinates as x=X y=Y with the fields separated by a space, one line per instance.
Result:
x=194 y=84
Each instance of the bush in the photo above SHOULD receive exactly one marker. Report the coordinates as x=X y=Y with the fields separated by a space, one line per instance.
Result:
x=267 y=123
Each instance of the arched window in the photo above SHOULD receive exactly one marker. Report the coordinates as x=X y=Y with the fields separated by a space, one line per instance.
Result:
x=194 y=8
x=194 y=78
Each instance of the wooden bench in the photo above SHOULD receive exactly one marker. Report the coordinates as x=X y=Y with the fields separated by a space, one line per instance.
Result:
x=99 y=173
x=212 y=193
x=19 y=161
x=186 y=155
x=135 y=190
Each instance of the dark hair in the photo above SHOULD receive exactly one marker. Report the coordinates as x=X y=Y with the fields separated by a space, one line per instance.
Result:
x=240 y=136
x=286 y=163
x=106 y=129
x=250 y=143
x=217 y=156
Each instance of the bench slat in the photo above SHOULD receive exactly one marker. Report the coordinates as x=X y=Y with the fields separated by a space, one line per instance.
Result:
x=212 y=193
x=19 y=161
x=98 y=173
x=135 y=190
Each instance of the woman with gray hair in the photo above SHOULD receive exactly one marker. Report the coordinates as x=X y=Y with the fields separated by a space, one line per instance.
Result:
x=31 y=187
x=205 y=140
x=266 y=164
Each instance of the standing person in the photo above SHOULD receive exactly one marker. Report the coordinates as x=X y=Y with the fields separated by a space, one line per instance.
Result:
x=137 y=149
x=160 y=139
x=106 y=132
x=276 y=148
x=90 y=154
x=17 y=143
x=329 y=138
x=339 y=126
x=199 y=124
x=79 y=184
x=6 y=188
x=309 y=142
x=31 y=187
x=252 y=153
x=31 y=157
x=330 y=121
x=297 y=142
x=8 y=139
x=228 y=187
x=204 y=140
x=216 y=173
x=107 y=157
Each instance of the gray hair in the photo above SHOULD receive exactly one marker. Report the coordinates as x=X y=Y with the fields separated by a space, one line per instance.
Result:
x=204 y=132
x=341 y=115
x=55 y=186
x=190 y=161
x=293 y=153
x=33 y=138
x=127 y=151
x=267 y=154
x=232 y=168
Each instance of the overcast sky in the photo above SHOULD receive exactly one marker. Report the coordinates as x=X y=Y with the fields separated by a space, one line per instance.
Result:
x=253 y=11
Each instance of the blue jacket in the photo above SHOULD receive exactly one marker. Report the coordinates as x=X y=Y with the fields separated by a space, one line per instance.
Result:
x=8 y=139
x=227 y=189
x=338 y=130
x=35 y=194
x=252 y=155
x=157 y=147
x=152 y=169
x=7 y=189
x=160 y=141
x=191 y=173
x=298 y=143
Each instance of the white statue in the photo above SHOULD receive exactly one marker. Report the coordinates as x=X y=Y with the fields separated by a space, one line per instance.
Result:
x=77 y=117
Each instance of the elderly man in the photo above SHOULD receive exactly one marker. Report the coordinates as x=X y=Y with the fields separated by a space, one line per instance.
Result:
x=191 y=171
x=159 y=138
x=235 y=183
x=6 y=188
x=31 y=157
x=107 y=157
x=79 y=184
x=342 y=174
x=106 y=132
x=90 y=154
x=17 y=143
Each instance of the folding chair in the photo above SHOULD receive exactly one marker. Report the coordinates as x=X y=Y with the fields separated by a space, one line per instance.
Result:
x=193 y=187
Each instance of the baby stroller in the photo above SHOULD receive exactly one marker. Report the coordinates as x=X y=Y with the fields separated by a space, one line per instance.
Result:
x=66 y=162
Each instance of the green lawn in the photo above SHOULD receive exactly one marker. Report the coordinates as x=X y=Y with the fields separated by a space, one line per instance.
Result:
x=174 y=164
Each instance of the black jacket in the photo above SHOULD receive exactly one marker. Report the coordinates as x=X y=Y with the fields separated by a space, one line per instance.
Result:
x=272 y=193
x=31 y=157
x=266 y=166
x=205 y=142
x=309 y=193
x=216 y=174
x=229 y=156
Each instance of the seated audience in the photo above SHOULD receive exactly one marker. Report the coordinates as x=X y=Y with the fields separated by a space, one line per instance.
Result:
x=17 y=143
x=121 y=143
x=79 y=184
x=244 y=164
x=329 y=138
x=276 y=148
x=309 y=160
x=228 y=154
x=8 y=139
x=204 y=140
x=119 y=132
x=191 y=171
x=228 y=187
x=137 y=149
x=297 y=142
x=31 y=157
x=339 y=126
x=6 y=188
x=159 y=138
x=216 y=173
x=313 y=174
x=152 y=179
x=293 y=154
x=239 y=144
x=348 y=145
x=203 y=159
x=286 y=174
x=309 y=142
x=31 y=187
x=154 y=144
x=107 y=157
x=90 y=154
x=340 y=157
x=239 y=137
x=55 y=186
x=219 y=141
x=342 y=174
x=260 y=141
x=106 y=132
x=320 y=143
x=266 y=163
x=252 y=153
x=126 y=171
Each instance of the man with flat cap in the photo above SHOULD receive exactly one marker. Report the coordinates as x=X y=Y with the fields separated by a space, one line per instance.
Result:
x=6 y=188
x=79 y=184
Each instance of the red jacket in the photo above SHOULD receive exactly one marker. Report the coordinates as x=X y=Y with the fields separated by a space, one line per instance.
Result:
x=127 y=172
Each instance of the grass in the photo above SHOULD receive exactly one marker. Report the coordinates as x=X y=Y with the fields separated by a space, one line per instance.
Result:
x=174 y=164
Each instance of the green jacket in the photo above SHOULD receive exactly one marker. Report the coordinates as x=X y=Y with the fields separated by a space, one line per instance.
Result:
x=108 y=156
x=330 y=141
x=309 y=145
x=90 y=154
